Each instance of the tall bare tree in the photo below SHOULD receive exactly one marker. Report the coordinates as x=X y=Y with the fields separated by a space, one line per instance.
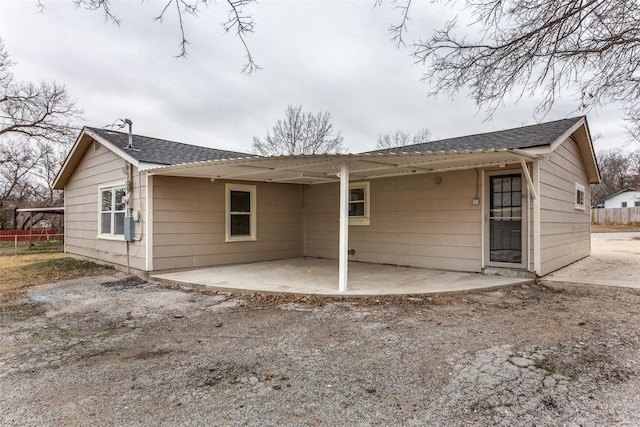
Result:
x=401 y=139
x=300 y=133
x=618 y=170
x=33 y=112
x=36 y=120
x=590 y=48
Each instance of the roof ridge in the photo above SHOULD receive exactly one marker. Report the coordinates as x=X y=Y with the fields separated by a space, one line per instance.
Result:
x=164 y=140
x=422 y=144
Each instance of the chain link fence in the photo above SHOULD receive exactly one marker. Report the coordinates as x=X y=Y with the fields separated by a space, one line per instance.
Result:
x=30 y=241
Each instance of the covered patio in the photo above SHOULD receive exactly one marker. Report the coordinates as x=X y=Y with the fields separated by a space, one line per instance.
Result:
x=318 y=277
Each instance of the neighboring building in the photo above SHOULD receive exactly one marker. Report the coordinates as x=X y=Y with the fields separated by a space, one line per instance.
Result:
x=515 y=198
x=627 y=198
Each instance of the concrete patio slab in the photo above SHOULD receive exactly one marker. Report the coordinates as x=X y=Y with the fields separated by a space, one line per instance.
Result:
x=614 y=261
x=320 y=277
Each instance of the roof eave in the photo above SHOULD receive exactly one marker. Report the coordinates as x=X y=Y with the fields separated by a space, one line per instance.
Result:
x=77 y=151
x=318 y=169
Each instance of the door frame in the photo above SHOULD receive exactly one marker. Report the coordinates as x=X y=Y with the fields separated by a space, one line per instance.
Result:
x=524 y=220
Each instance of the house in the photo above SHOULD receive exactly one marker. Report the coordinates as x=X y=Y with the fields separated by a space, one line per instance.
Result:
x=627 y=198
x=514 y=199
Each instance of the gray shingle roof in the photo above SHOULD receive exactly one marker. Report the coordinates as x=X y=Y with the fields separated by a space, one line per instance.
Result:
x=522 y=137
x=163 y=152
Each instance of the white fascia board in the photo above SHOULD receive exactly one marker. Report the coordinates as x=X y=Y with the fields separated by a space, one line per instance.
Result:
x=70 y=155
x=562 y=138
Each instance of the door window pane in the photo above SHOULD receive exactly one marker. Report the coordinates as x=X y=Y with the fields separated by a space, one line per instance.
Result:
x=505 y=227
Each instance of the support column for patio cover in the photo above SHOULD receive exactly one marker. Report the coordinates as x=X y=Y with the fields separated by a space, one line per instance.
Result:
x=343 y=260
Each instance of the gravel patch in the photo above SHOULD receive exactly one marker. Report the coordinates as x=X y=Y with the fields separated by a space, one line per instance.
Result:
x=114 y=350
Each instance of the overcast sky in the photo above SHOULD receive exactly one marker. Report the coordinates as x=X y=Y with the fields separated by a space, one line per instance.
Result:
x=333 y=56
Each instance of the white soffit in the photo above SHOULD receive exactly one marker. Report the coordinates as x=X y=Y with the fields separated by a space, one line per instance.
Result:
x=318 y=169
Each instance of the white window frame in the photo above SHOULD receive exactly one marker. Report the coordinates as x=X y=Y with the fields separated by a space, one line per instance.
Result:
x=366 y=218
x=579 y=189
x=112 y=187
x=251 y=189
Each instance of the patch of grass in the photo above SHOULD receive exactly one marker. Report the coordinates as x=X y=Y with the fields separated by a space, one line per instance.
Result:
x=615 y=228
x=18 y=272
x=9 y=248
x=47 y=244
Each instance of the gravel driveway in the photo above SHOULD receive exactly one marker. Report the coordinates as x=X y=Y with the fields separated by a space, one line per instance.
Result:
x=119 y=351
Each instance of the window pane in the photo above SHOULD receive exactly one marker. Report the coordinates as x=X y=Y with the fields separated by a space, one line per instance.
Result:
x=119 y=202
x=105 y=220
x=516 y=198
x=106 y=200
x=356 y=194
x=356 y=209
x=516 y=184
x=118 y=219
x=240 y=225
x=240 y=201
x=506 y=199
x=496 y=184
x=506 y=184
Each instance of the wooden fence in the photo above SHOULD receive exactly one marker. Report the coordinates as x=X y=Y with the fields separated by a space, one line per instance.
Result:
x=604 y=216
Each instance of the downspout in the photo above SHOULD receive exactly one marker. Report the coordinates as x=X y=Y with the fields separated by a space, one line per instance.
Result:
x=129 y=202
x=129 y=185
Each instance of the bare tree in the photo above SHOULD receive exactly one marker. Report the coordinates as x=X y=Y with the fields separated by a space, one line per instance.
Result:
x=618 y=170
x=300 y=133
x=539 y=47
x=35 y=127
x=35 y=112
x=238 y=21
x=401 y=139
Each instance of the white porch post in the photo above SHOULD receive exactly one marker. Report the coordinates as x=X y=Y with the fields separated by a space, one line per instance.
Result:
x=344 y=228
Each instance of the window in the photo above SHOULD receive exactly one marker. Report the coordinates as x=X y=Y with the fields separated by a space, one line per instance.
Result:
x=636 y=204
x=579 y=196
x=359 y=203
x=624 y=204
x=240 y=206
x=112 y=211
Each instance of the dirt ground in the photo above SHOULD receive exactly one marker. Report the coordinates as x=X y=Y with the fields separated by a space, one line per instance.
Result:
x=22 y=271
x=113 y=350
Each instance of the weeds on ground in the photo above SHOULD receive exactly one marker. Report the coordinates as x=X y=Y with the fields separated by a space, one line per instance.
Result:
x=18 y=272
x=615 y=228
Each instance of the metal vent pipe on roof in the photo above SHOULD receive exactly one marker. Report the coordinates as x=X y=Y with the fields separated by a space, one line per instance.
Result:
x=130 y=123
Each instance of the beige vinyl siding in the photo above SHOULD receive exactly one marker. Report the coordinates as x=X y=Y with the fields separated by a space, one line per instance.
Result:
x=565 y=231
x=81 y=201
x=414 y=222
x=189 y=224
